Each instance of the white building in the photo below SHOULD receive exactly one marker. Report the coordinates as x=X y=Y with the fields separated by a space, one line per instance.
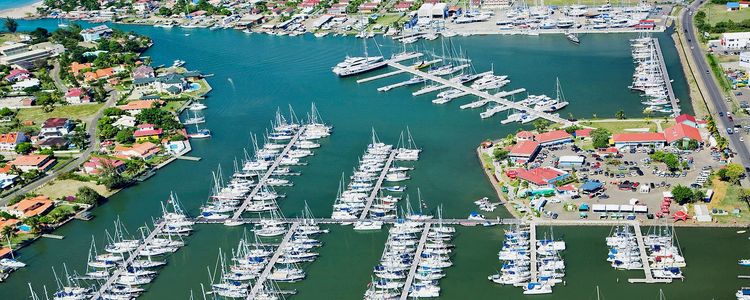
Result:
x=745 y=60
x=735 y=40
x=95 y=33
x=21 y=85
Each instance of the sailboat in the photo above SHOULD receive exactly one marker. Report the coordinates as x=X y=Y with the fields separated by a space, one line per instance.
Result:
x=11 y=262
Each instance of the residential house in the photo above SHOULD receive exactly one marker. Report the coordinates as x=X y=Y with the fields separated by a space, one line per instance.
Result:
x=639 y=139
x=95 y=33
x=551 y=138
x=77 y=96
x=30 y=207
x=143 y=72
x=541 y=177
x=54 y=143
x=523 y=151
x=17 y=75
x=124 y=121
x=7 y=180
x=136 y=106
x=402 y=6
x=56 y=127
x=172 y=83
x=8 y=141
x=12 y=222
x=25 y=84
x=146 y=132
x=30 y=162
x=76 y=68
x=143 y=151
x=96 y=165
x=682 y=133
x=98 y=74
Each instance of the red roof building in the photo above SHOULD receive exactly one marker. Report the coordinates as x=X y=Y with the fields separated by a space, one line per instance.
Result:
x=553 y=138
x=17 y=75
x=524 y=136
x=687 y=120
x=95 y=165
x=539 y=177
x=583 y=133
x=523 y=151
x=682 y=132
x=639 y=139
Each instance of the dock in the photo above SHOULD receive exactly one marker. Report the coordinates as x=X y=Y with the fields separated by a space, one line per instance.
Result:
x=129 y=261
x=185 y=157
x=381 y=76
x=53 y=236
x=415 y=263
x=665 y=76
x=258 y=285
x=378 y=184
x=644 y=260
x=446 y=83
x=262 y=180
x=463 y=222
x=532 y=243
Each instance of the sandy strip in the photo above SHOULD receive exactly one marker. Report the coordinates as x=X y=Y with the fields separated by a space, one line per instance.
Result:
x=20 y=12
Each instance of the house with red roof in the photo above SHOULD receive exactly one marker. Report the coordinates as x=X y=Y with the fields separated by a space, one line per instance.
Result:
x=555 y=137
x=524 y=136
x=687 y=120
x=30 y=162
x=136 y=106
x=523 y=151
x=17 y=75
x=639 y=139
x=56 y=127
x=30 y=207
x=8 y=141
x=541 y=177
x=138 y=150
x=682 y=132
x=96 y=165
x=77 y=96
x=146 y=132
x=583 y=133
x=402 y=6
x=76 y=67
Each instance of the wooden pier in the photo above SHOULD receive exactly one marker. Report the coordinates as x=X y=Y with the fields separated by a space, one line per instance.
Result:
x=378 y=184
x=262 y=180
x=129 y=261
x=446 y=83
x=258 y=285
x=381 y=76
x=463 y=222
x=644 y=260
x=532 y=246
x=665 y=77
x=415 y=262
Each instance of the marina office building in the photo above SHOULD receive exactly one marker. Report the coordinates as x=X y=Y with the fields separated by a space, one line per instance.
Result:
x=735 y=40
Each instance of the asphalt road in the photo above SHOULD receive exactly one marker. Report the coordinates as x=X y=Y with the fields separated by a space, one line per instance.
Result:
x=712 y=93
x=84 y=156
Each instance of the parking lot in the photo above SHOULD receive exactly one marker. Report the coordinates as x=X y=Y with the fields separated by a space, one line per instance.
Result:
x=627 y=179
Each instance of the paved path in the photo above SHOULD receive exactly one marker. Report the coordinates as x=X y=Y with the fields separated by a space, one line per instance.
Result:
x=55 y=74
x=415 y=263
x=269 y=267
x=378 y=184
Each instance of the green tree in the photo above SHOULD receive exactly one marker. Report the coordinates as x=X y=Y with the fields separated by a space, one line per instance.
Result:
x=672 y=161
x=600 y=137
x=541 y=125
x=682 y=194
x=500 y=153
x=620 y=114
x=125 y=136
x=698 y=196
x=733 y=172
x=112 y=179
x=33 y=222
x=88 y=196
x=11 y=24
x=24 y=148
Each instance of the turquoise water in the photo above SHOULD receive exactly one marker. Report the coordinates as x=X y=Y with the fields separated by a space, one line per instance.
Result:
x=255 y=74
x=6 y=4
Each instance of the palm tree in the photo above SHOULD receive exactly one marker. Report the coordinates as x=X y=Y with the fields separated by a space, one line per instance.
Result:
x=620 y=114
x=8 y=232
x=11 y=25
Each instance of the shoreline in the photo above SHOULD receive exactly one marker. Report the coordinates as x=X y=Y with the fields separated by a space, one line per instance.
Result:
x=22 y=12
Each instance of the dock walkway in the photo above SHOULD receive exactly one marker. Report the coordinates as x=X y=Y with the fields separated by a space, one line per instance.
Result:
x=644 y=260
x=482 y=94
x=258 y=285
x=262 y=180
x=378 y=184
x=667 y=80
x=128 y=262
x=415 y=263
x=532 y=243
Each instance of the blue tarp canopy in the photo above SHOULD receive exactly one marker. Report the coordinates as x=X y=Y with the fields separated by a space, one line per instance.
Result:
x=583 y=207
x=591 y=186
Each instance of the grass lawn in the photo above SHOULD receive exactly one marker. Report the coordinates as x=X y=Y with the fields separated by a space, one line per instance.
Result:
x=68 y=187
x=388 y=19
x=38 y=115
x=726 y=197
x=9 y=37
x=173 y=105
x=620 y=126
x=487 y=161
x=716 y=13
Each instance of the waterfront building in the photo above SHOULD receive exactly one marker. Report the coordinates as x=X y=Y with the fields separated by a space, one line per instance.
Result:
x=143 y=72
x=541 y=177
x=39 y=162
x=524 y=136
x=146 y=132
x=30 y=207
x=523 y=151
x=639 y=139
x=583 y=133
x=8 y=141
x=735 y=40
x=552 y=138
x=687 y=120
x=136 y=106
x=682 y=133
x=95 y=33
x=143 y=151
